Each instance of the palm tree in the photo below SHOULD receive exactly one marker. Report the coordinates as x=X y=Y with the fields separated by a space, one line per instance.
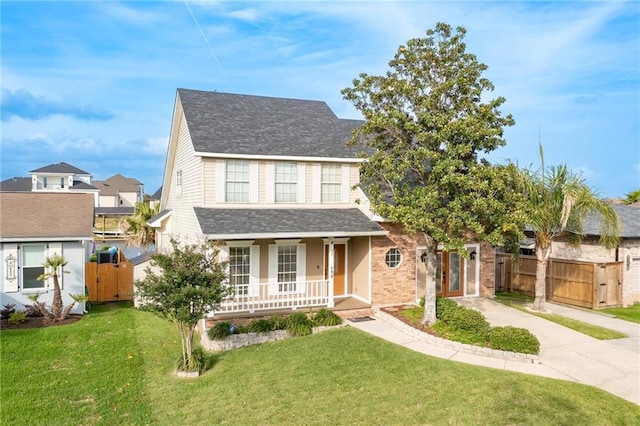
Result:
x=53 y=267
x=136 y=229
x=557 y=201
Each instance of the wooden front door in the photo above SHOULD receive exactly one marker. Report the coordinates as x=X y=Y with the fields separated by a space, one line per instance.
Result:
x=449 y=274
x=339 y=288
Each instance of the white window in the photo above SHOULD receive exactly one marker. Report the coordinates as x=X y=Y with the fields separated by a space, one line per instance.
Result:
x=179 y=183
x=61 y=182
x=287 y=268
x=32 y=260
x=240 y=269
x=237 y=181
x=393 y=258
x=286 y=180
x=330 y=183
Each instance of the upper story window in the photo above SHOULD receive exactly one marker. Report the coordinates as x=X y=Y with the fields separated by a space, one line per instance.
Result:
x=179 y=183
x=44 y=182
x=237 y=181
x=61 y=182
x=331 y=186
x=286 y=182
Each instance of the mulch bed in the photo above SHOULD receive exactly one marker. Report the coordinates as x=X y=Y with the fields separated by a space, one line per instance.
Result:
x=37 y=322
x=395 y=312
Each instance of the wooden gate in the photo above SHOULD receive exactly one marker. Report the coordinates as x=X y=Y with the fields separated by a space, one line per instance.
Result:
x=109 y=282
x=586 y=284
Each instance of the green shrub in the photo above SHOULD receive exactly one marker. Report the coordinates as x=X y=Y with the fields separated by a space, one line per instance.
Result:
x=278 y=323
x=442 y=304
x=239 y=328
x=514 y=339
x=325 y=317
x=260 y=326
x=18 y=317
x=457 y=335
x=196 y=362
x=220 y=330
x=298 y=324
x=465 y=319
x=422 y=302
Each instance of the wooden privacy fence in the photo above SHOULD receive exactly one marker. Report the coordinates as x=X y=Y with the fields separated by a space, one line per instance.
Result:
x=108 y=282
x=587 y=284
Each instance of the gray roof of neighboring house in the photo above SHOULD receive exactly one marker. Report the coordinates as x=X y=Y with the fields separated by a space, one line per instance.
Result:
x=117 y=184
x=82 y=185
x=156 y=195
x=114 y=211
x=629 y=219
x=16 y=184
x=61 y=167
x=227 y=123
x=284 y=223
x=43 y=215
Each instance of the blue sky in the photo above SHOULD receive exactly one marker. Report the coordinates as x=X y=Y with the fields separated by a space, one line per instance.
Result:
x=93 y=83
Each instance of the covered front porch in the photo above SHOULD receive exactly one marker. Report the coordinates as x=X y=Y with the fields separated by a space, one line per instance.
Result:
x=297 y=259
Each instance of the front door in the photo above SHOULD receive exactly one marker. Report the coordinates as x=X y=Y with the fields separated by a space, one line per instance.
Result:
x=339 y=268
x=449 y=274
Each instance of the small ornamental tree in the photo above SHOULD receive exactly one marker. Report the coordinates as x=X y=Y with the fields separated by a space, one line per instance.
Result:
x=426 y=124
x=53 y=267
x=190 y=285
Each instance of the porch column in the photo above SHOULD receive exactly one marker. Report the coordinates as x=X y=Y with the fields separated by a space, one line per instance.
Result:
x=330 y=264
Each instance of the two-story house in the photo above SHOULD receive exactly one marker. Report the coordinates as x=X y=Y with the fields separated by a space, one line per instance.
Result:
x=119 y=191
x=274 y=183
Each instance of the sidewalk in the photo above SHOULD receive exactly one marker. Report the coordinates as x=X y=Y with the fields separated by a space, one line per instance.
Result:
x=612 y=365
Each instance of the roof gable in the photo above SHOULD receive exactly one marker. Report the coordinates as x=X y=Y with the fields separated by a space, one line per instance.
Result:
x=46 y=215
x=224 y=123
x=116 y=184
x=61 y=167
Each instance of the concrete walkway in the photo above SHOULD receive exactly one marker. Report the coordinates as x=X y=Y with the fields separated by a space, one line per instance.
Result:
x=612 y=365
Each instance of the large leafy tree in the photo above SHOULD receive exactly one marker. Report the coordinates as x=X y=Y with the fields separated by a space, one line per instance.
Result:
x=427 y=123
x=191 y=284
x=556 y=204
x=136 y=229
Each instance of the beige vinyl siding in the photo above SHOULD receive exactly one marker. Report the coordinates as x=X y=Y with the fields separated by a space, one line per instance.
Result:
x=359 y=265
x=315 y=253
x=183 y=220
x=209 y=186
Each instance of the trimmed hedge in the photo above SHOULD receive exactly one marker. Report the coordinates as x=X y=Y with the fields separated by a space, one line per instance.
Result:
x=514 y=339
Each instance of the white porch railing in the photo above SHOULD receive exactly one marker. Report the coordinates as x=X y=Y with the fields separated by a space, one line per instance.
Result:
x=272 y=296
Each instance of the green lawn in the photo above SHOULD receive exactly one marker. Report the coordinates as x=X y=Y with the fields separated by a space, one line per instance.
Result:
x=517 y=301
x=114 y=367
x=630 y=313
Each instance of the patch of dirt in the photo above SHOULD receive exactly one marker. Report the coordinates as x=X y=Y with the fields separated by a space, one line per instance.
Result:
x=395 y=312
x=37 y=322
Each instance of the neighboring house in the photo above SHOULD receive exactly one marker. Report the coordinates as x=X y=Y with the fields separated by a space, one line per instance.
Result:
x=628 y=251
x=274 y=183
x=16 y=184
x=33 y=226
x=154 y=199
x=119 y=191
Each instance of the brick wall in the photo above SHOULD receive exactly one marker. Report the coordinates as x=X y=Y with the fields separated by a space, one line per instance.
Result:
x=398 y=285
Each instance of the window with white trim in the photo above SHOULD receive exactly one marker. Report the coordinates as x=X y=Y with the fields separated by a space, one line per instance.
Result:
x=44 y=182
x=286 y=182
x=32 y=260
x=179 y=183
x=393 y=258
x=287 y=267
x=331 y=183
x=237 y=181
x=240 y=269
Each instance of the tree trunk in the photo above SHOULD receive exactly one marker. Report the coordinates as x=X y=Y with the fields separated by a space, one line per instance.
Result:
x=542 y=256
x=430 y=289
x=56 y=304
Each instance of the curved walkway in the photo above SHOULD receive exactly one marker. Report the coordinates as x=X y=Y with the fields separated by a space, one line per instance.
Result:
x=612 y=365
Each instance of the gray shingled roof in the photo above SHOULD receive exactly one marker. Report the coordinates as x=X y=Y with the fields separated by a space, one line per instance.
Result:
x=284 y=223
x=114 y=211
x=82 y=185
x=629 y=219
x=258 y=125
x=45 y=215
x=61 y=167
x=16 y=184
x=156 y=195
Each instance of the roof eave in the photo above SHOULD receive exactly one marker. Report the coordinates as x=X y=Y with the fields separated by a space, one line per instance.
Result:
x=286 y=235
x=354 y=160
